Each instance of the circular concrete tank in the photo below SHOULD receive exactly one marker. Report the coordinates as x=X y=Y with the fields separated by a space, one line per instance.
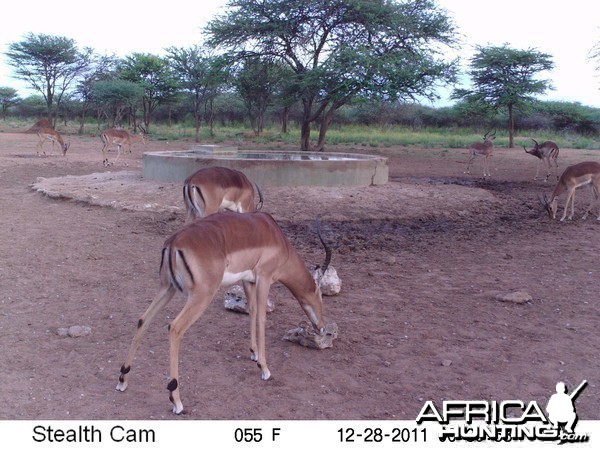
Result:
x=271 y=168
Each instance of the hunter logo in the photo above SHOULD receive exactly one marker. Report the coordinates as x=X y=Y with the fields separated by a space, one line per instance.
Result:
x=511 y=420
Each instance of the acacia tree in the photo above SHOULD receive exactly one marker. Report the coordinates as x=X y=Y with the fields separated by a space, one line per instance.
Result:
x=115 y=99
x=102 y=69
x=154 y=75
x=339 y=49
x=199 y=73
x=503 y=77
x=49 y=64
x=257 y=82
x=8 y=97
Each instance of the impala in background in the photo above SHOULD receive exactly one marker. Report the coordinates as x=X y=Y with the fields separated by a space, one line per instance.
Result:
x=582 y=174
x=485 y=149
x=50 y=134
x=545 y=151
x=212 y=189
x=119 y=138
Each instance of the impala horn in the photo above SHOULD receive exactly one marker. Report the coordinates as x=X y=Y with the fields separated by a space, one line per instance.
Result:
x=546 y=205
x=259 y=205
x=325 y=246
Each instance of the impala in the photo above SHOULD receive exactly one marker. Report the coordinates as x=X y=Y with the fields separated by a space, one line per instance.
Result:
x=119 y=138
x=212 y=189
x=52 y=135
x=484 y=149
x=582 y=174
x=545 y=152
x=218 y=250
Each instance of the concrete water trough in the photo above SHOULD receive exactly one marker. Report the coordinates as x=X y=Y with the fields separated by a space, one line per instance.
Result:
x=270 y=168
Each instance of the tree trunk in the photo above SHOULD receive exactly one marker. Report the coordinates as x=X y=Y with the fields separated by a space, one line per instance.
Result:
x=285 y=116
x=511 y=126
x=197 y=116
x=82 y=122
x=305 y=126
x=327 y=118
x=197 y=124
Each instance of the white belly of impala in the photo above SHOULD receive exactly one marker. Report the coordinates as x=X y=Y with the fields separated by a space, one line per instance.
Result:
x=231 y=277
x=232 y=206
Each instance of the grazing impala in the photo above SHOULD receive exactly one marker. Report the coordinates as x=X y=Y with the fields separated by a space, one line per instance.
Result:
x=212 y=189
x=222 y=249
x=119 y=138
x=52 y=135
x=545 y=151
x=484 y=149
x=582 y=174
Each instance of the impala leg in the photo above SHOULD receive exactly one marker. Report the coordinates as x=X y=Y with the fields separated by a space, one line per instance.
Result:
x=40 y=145
x=593 y=199
x=570 y=200
x=118 y=152
x=161 y=299
x=105 y=154
x=486 y=166
x=572 y=205
x=250 y=291
x=549 y=170
x=198 y=301
x=537 y=171
x=469 y=160
x=262 y=294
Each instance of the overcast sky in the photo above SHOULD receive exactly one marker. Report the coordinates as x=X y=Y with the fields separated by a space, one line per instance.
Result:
x=565 y=30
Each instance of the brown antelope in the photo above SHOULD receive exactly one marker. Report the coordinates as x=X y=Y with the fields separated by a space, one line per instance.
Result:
x=52 y=135
x=582 y=174
x=212 y=189
x=222 y=249
x=545 y=151
x=119 y=138
x=484 y=149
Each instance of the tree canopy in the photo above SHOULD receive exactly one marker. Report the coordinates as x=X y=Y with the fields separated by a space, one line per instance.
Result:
x=504 y=77
x=338 y=50
x=154 y=75
x=49 y=64
x=8 y=97
x=199 y=73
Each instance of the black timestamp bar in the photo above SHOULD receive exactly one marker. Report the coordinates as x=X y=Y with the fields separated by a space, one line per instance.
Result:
x=365 y=435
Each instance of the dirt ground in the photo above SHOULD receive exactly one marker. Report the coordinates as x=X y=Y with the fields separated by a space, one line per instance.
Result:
x=421 y=261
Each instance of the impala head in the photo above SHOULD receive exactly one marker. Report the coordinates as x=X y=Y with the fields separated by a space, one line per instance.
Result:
x=142 y=134
x=550 y=206
x=65 y=147
x=535 y=151
x=487 y=137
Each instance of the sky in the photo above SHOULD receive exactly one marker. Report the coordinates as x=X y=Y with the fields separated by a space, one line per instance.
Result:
x=565 y=30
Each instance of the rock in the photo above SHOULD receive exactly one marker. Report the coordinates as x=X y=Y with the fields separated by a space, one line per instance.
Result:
x=74 y=331
x=306 y=335
x=446 y=362
x=329 y=282
x=235 y=300
x=518 y=297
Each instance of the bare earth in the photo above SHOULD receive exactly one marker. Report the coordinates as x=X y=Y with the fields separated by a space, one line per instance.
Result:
x=421 y=260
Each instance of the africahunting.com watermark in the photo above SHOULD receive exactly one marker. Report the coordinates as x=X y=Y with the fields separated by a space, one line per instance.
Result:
x=506 y=421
